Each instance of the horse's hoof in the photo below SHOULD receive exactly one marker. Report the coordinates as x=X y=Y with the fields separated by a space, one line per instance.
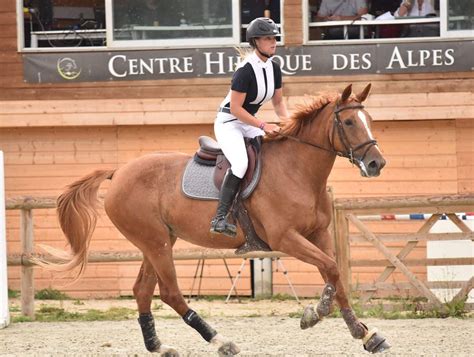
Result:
x=375 y=342
x=325 y=303
x=228 y=349
x=170 y=353
x=167 y=351
x=309 y=318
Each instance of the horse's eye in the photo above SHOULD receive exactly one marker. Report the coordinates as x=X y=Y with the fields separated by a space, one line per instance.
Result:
x=349 y=122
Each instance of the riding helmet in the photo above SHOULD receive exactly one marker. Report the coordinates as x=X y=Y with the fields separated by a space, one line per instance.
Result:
x=260 y=27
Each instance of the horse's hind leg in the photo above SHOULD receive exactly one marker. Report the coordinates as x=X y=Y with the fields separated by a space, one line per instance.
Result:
x=162 y=260
x=143 y=291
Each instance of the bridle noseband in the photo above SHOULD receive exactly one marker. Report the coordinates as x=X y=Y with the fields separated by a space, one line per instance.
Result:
x=349 y=150
x=345 y=141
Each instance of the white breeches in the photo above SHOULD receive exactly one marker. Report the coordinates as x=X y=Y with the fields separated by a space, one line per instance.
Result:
x=230 y=133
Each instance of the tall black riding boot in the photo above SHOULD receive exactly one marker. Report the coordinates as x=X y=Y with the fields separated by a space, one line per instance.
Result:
x=230 y=187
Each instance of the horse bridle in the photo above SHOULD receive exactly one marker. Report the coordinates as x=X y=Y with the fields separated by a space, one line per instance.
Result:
x=349 y=150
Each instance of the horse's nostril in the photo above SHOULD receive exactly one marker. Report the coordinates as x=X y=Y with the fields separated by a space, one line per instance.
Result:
x=373 y=164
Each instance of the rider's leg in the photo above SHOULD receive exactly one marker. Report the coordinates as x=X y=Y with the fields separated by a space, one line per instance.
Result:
x=230 y=187
x=231 y=140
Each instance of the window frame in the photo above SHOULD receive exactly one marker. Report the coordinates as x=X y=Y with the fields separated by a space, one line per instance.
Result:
x=112 y=44
x=174 y=43
x=444 y=31
x=442 y=20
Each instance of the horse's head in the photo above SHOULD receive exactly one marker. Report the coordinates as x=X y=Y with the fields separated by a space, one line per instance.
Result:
x=351 y=136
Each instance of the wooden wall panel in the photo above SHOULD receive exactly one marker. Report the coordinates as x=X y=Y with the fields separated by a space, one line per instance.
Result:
x=7 y=6
x=202 y=110
x=13 y=87
x=413 y=150
x=9 y=59
x=293 y=22
x=422 y=159
x=49 y=161
x=465 y=155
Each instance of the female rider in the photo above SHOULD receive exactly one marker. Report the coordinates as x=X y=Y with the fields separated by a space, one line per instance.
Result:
x=256 y=81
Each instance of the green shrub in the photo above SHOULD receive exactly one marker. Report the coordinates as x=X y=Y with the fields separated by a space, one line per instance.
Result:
x=50 y=294
x=12 y=294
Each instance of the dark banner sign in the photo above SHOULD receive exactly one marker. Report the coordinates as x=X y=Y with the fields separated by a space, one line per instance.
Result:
x=214 y=62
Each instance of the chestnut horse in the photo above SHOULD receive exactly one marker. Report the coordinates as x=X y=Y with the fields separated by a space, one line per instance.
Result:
x=290 y=210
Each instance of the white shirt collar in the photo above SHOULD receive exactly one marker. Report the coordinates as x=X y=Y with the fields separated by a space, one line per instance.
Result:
x=256 y=60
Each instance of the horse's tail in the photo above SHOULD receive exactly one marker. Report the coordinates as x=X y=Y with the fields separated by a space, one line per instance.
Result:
x=77 y=214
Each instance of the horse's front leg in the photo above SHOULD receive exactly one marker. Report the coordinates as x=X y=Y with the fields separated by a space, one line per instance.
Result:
x=322 y=256
x=323 y=240
x=373 y=342
x=305 y=250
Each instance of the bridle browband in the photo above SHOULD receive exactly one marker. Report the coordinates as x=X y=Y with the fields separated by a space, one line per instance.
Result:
x=337 y=124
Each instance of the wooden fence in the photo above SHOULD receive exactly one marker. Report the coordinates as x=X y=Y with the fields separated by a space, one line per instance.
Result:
x=348 y=210
x=345 y=211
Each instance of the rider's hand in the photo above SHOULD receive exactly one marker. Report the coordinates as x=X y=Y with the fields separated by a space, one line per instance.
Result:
x=270 y=128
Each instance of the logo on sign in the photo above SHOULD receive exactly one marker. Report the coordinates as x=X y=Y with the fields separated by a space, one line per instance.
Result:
x=68 y=68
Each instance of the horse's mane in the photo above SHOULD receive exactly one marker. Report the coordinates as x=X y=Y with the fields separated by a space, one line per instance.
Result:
x=305 y=113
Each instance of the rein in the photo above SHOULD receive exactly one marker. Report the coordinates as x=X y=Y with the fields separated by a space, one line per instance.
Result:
x=337 y=123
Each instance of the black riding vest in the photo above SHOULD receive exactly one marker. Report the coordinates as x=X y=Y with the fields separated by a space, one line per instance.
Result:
x=257 y=79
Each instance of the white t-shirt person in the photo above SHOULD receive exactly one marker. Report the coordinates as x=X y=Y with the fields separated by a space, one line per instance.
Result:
x=415 y=8
x=334 y=10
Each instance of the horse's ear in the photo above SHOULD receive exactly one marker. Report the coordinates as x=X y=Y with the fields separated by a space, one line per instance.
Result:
x=363 y=95
x=346 y=94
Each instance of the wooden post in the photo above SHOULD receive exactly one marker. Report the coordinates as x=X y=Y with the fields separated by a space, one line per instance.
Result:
x=27 y=287
x=332 y=225
x=343 y=254
x=263 y=280
x=465 y=290
x=460 y=224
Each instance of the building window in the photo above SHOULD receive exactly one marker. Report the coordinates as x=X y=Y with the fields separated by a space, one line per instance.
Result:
x=343 y=20
x=49 y=24
x=251 y=9
x=66 y=23
x=166 y=21
x=460 y=18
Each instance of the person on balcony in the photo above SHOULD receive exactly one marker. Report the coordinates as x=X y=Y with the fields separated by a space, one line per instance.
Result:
x=337 y=10
x=380 y=7
x=415 y=8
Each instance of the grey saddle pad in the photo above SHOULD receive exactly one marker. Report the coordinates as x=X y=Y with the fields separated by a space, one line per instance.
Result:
x=198 y=182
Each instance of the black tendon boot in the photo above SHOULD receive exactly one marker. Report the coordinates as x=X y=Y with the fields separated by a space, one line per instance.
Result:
x=147 y=323
x=230 y=187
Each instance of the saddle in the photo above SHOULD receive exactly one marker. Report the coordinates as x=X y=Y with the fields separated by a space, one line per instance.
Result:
x=210 y=154
x=203 y=176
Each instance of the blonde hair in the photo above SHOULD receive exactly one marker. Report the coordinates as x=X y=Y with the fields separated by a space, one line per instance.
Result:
x=243 y=52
